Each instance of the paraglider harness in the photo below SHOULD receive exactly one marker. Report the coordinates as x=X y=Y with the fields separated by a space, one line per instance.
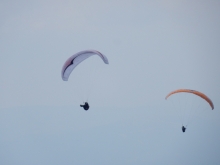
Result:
x=183 y=128
x=85 y=106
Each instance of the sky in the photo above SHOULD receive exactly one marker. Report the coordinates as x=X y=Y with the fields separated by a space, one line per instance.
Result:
x=153 y=48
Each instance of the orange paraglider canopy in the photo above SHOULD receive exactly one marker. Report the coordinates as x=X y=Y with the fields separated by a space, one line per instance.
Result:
x=193 y=92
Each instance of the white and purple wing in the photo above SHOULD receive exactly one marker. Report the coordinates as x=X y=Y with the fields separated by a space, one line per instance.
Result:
x=76 y=59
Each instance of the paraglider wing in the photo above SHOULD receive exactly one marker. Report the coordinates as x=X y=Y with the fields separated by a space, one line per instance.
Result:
x=77 y=58
x=193 y=92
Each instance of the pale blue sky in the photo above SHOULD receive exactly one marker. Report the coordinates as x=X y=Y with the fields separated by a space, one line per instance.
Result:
x=153 y=47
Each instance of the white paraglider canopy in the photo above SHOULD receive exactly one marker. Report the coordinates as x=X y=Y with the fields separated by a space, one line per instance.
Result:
x=76 y=59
